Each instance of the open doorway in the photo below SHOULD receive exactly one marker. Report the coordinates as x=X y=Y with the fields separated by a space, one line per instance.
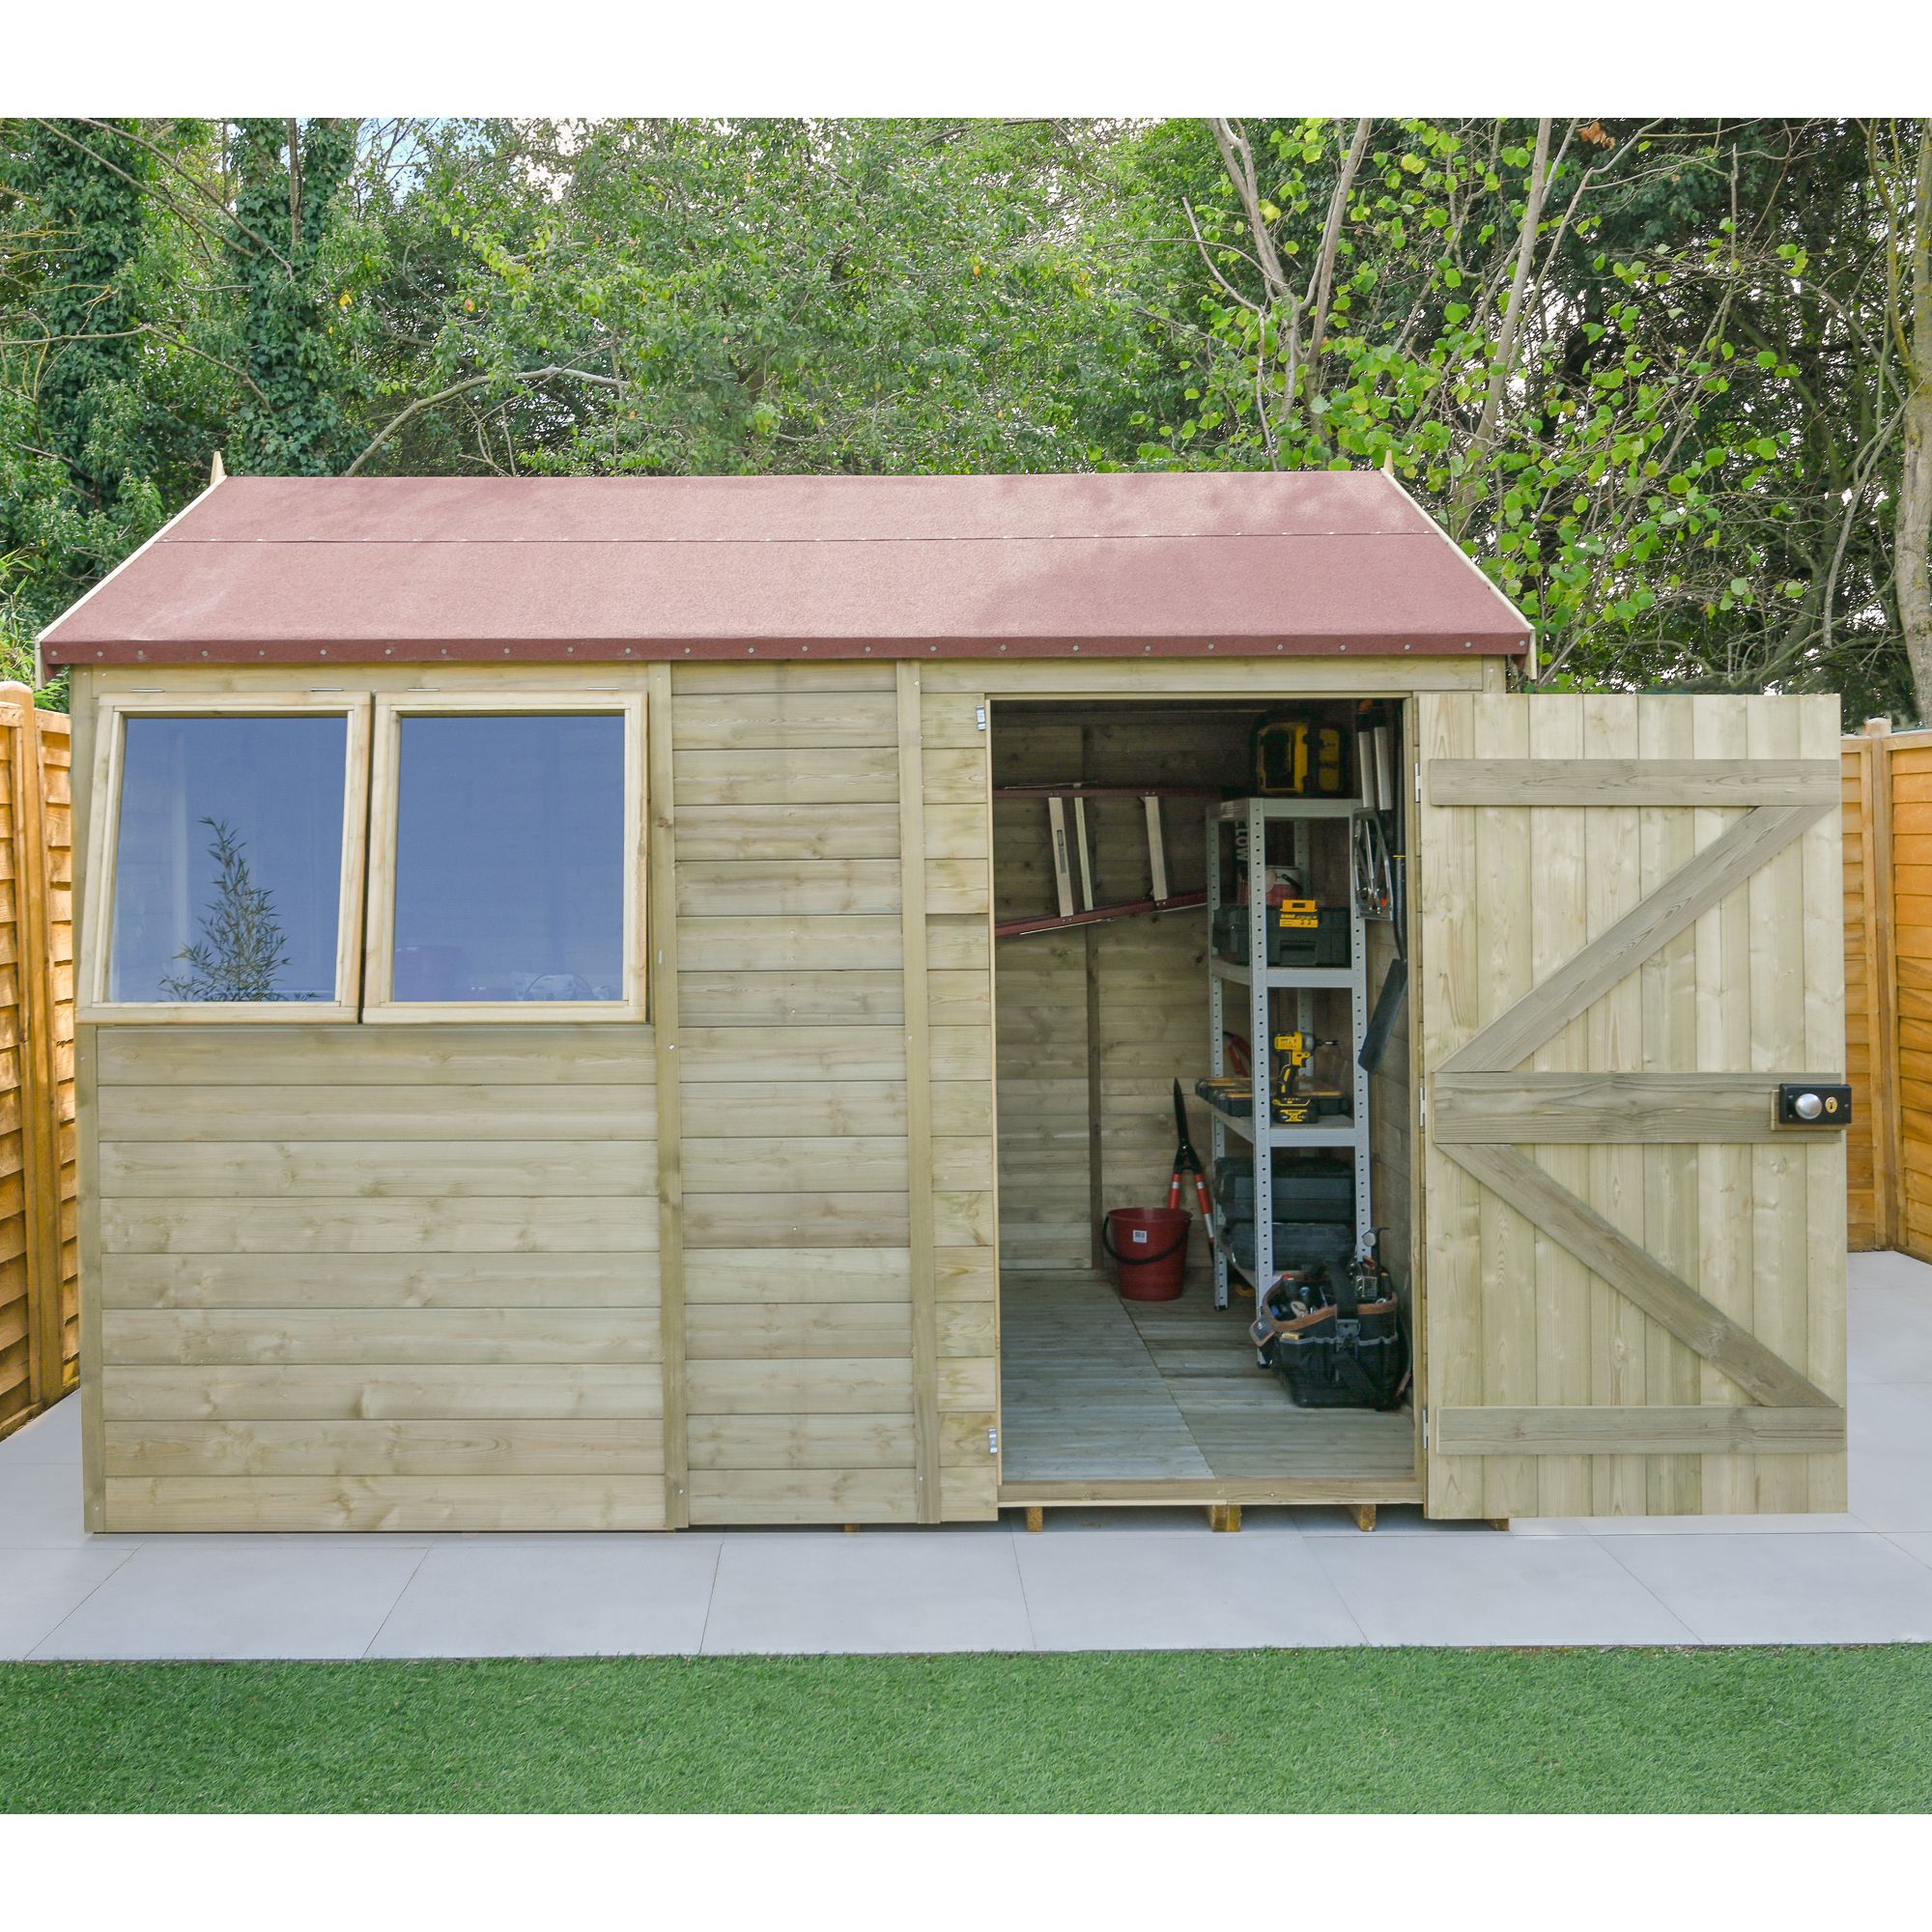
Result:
x=1095 y=1022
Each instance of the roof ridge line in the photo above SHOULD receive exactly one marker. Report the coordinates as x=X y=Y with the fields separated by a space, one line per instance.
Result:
x=1049 y=536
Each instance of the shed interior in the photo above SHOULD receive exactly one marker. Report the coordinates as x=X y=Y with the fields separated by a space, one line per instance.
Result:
x=1095 y=1023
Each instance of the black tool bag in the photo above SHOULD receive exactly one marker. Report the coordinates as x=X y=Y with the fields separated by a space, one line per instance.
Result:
x=1345 y=1353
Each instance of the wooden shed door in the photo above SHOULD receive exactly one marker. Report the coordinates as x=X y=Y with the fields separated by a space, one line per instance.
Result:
x=1630 y=932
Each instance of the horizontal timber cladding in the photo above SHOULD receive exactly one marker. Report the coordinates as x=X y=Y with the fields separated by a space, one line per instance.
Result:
x=833 y=1048
x=1635 y=1283
x=381 y=1278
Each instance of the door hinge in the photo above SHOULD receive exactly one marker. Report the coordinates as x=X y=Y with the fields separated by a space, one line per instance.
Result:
x=980 y=715
x=1419 y=781
x=992 y=1442
x=1425 y=1429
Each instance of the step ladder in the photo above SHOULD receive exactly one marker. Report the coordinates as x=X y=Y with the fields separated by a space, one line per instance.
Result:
x=1067 y=827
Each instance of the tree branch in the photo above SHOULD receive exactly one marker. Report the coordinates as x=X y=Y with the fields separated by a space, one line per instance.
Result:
x=1503 y=359
x=417 y=408
x=168 y=161
x=1322 y=285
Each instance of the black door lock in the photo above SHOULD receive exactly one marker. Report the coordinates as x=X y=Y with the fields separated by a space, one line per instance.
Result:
x=1799 y=1104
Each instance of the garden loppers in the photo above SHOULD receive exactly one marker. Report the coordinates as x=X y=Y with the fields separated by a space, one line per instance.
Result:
x=1187 y=1162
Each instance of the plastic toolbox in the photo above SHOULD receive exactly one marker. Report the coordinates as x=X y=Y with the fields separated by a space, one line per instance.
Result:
x=1305 y=1190
x=1297 y=1244
x=1327 y=944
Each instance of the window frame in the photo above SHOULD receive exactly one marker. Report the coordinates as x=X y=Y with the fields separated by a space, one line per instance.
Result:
x=112 y=711
x=379 y=1002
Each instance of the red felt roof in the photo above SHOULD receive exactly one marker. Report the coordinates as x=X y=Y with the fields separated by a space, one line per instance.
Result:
x=362 y=569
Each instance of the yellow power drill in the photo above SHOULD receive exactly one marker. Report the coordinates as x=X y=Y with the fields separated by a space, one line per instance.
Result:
x=1294 y=1105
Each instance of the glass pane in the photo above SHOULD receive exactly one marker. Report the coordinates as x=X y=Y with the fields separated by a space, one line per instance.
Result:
x=510 y=858
x=228 y=865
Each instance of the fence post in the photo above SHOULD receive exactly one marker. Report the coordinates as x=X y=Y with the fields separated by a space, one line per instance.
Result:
x=1882 y=957
x=40 y=1130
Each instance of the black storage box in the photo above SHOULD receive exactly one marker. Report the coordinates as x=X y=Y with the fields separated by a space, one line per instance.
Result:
x=1319 y=1190
x=1324 y=944
x=1297 y=1244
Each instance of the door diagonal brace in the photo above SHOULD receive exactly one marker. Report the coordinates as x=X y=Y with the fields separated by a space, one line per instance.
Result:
x=1690 y=891
x=1666 y=1297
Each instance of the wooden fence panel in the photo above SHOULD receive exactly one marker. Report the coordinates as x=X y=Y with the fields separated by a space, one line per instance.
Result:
x=40 y=1316
x=1907 y=794
x=1888 y=793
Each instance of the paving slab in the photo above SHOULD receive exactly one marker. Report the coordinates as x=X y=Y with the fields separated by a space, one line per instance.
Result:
x=1787 y=1589
x=1493 y=1590
x=264 y=1601
x=1885 y=1269
x=641 y=1597
x=40 y=1588
x=40 y=1504
x=806 y=1592
x=52 y=1438
x=1889 y=1427
x=1892 y=1340
x=1129 y=1590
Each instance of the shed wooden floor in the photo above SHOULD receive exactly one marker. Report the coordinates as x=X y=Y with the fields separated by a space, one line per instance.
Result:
x=1097 y=1388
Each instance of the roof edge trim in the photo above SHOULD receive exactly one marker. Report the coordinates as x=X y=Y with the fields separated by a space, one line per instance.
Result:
x=285 y=651
x=214 y=482
x=1441 y=530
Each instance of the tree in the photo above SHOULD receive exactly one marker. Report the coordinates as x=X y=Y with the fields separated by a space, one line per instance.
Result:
x=1411 y=291
x=1665 y=380
x=289 y=190
x=78 y=449
x=741 y=297
x=242 y=948
x=1909 y=318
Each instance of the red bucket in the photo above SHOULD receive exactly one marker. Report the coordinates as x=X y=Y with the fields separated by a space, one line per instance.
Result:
x=1149 y=1250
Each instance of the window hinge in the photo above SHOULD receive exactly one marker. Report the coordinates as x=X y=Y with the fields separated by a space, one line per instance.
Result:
x=992 y=1442
x=980 y=715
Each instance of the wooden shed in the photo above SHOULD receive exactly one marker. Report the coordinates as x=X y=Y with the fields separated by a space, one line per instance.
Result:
x=619 y=1003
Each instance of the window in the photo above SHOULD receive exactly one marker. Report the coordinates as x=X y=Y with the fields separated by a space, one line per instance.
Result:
x=508 y=863
x=221 y=886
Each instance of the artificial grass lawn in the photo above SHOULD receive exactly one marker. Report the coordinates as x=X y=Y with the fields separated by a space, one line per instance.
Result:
x=1415 y=1730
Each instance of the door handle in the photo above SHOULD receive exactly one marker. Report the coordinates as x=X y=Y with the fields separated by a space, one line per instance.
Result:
x=1804 y=1103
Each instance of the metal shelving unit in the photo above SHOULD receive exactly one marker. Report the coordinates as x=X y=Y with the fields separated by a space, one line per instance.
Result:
x=1257 y=980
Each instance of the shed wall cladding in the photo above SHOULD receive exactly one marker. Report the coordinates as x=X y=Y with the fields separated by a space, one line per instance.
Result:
x=840 y=1358
x=409 y=1277
x=379 y=1278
